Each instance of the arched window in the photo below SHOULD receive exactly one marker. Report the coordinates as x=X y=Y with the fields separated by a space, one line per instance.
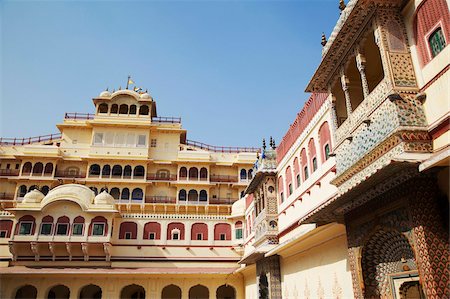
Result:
x=132 y=291
x=198 y=291
x=133 y=109
x=250 y=174
x=27 y=291
x=62 y=226
x=143 y=110
x=114 y=109
x=137 y=194
x=38 y=168
x=171 y=292
x=115 y=193
x=325 y=141
x=193 y=195
x=123 y=109
x=103 y=108
x=182 y=195
x=173 y=228
x=59 y=291
x=296 y=171
x=104 y=189
x=25 y=225
x=45 y=190
x=243 y=174
x=199 y=231
x=26 y=169
x=106 y=171
x=162 y=174
x=139 y=172
x=312 y=153
x=94 y=170
x=289 y=180
x=78 y=226
x=193 y=173
x=117 y=171
x=238 y=230
x=125 y=194
x=183 y=172
x=225 y=292
x=152 y=231
x=128 y=230
x=48 y=170
x=98 y=226
x=314 y=164
x=203 y=195
x=127 y=171
x=94 y=189
x=46 y=228
x=281 y=188
x=203 y=174
x=222 y=231
x=304 y=163
x=33 y=187
x=91 y=291
x=22 y=191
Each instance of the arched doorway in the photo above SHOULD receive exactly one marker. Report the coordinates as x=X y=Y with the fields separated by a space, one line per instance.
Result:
x=263 y=287
x=411 y=290
x=171 y=292
x=132 y=291
x=91 y=291
x=225 y=292
x=59 y=292
x=385 y=252
x=26 y=292
x=198 y=292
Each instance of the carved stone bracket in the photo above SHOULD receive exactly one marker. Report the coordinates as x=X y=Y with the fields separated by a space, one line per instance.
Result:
x=107 y=250
x=51 y=247
x=85 y=249
x=12 y=249
x=69 y=250
x=35 y=248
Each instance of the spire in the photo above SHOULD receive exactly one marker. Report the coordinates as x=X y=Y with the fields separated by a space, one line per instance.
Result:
x=341 y=5
x=324 y=40
x=264 y=144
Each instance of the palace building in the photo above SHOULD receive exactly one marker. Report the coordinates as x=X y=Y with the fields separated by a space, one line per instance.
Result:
x=352 y=203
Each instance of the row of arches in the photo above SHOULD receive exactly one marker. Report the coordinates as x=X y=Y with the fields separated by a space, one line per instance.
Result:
x=23 y=189
x=193 y=173
x=132 y=291
x=37 y=169
x=245 y=174
x=306 y=163
x=117 y=171
x=176 y=231
x=137 y=194
x=193 y=195
x=26 y=225
x=123 y=109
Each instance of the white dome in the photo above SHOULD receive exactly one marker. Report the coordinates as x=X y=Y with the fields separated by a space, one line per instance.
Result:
x=238 y=208
x=104 y=198
x=105 y=94
x=34 y=196
x=146 y=96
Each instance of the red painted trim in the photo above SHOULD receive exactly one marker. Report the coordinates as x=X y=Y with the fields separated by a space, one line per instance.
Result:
x=441 y=128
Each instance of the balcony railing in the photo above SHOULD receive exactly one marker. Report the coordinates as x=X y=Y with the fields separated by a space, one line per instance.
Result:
x=166 y=120
x=160 y=199
x=69 y=174
x=158 y=177
x=29 y=140
x=77 y=115
x=9 y=172
x=6 y=196
x=222 y=201
x=223 y=178
x=222 y=149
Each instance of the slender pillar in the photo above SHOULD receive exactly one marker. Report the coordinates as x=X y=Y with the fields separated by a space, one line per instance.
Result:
x=348 y=103
x=361 y=64
x=334 y=118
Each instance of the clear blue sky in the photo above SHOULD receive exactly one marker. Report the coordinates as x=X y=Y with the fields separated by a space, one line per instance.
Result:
x=235 y=71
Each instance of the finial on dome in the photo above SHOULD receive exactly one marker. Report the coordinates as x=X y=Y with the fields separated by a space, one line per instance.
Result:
x=342 y=5
x=120 y=87
x=107 y=89
x=114 y=90
x=264 y=143
x=324 y=40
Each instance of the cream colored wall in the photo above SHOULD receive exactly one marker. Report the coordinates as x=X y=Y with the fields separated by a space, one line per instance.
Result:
x=112 y=285
x=167 y=145
x=249 y=275
x=320 y=271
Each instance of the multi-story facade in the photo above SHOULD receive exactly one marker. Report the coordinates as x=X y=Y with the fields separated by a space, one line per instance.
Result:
x=353 y=202
x=385 y=67
x=120 y=204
